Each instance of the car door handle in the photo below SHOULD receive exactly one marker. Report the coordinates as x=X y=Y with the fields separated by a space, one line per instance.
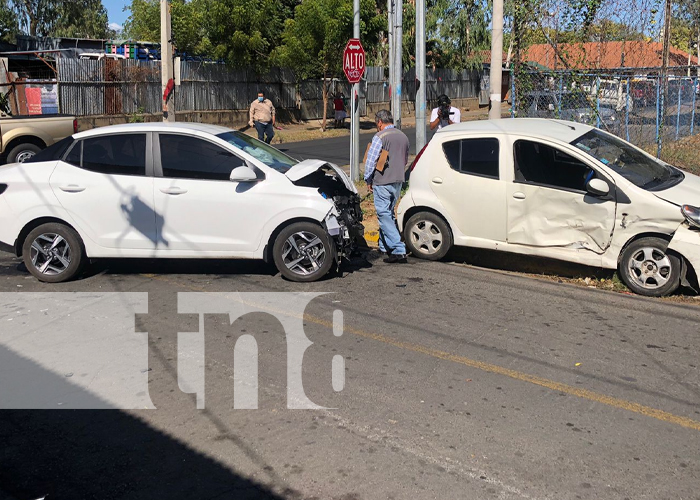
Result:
x=72 y=188
x=437 y=180
x=519 y=195
x=173 y=190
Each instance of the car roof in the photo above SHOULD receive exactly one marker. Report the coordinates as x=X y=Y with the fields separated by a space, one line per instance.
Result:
x=153 y=127
x=562 y=130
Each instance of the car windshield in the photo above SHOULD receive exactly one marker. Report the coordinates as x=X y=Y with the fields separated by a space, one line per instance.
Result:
x=630 y=162
x=262 y=152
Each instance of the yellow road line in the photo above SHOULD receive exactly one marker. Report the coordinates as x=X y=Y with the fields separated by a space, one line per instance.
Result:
x=622 y=404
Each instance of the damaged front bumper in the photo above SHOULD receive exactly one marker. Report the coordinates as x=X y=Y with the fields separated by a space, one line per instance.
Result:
x=344 y=225
x=686 y=242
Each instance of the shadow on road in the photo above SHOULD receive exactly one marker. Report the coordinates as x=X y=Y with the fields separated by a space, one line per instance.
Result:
x=105 y=454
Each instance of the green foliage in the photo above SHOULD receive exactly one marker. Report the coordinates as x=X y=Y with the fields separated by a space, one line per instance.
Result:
x=68 y=18
x=9 y=25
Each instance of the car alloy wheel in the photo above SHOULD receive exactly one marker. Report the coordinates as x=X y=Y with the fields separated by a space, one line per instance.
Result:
x=647 y=267
x=50 y=254
x=303 y=252
x=53 y=252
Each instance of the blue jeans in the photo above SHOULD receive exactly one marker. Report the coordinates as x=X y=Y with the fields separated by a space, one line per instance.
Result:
x=385 y=198
x=265 y=129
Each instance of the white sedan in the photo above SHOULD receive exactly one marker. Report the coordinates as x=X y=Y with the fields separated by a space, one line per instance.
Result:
x=556 y=189
x=175 y=191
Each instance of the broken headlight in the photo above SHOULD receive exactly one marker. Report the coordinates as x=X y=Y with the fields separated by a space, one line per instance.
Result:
x=692 y=215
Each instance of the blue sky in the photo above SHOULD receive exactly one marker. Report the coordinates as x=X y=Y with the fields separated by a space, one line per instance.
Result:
x=115 y=9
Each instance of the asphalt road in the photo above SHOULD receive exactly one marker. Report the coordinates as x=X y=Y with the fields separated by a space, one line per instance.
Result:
x=337 y=149
x=460 y=382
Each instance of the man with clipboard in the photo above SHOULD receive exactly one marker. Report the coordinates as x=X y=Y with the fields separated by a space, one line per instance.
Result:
x=385 y=162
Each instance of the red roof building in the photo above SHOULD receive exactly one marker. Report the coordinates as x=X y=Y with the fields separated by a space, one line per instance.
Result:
x=605 y=55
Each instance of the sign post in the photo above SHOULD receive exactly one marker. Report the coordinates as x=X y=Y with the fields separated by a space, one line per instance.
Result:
x=354 y=69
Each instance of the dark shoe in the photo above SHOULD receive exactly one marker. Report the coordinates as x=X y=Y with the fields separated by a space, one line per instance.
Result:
x=396 y=259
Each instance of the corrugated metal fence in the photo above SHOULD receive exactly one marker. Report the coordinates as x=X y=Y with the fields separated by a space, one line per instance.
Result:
x=109 y=87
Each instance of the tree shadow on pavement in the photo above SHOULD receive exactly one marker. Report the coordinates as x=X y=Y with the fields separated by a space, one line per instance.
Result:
x=102 y=454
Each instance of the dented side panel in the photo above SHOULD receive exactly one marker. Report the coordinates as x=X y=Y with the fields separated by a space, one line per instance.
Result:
x=546 y=217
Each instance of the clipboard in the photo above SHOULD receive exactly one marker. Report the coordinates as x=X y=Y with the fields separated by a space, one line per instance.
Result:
x=381 y=162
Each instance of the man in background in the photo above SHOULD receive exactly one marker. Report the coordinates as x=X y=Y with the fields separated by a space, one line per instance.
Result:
x=445 y=114
x=339 y=108
x=386 y=161
x=262 y=117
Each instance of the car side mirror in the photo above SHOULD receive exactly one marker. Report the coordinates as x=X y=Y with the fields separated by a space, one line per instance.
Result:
x=598 y=187
x=243 y=174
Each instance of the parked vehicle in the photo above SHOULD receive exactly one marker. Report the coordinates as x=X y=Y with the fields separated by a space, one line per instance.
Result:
x=175 y=191
x=21 y=137
x=643 y=93
x=572 y=106
x=610 y=93
x=556 y=189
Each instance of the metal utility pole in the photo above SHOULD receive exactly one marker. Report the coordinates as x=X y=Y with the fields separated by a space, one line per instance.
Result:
x=398 y=60
x=667 y=38
x=496 y=59
x=354 y=107
x=166 y=63
x=390 y=36
x=420 y=74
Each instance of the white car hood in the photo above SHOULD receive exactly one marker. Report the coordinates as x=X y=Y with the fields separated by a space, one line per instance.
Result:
x=687 y=192
x=308 y=167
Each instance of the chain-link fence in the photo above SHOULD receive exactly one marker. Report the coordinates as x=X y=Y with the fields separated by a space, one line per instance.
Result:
x=645 y=110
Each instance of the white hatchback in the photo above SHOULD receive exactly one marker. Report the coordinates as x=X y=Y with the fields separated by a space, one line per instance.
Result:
x=555 y=189
x=180 y=190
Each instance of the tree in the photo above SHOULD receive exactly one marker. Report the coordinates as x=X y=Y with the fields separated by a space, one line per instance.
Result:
x=9 y=26
x=313 y=41
x=69 y=18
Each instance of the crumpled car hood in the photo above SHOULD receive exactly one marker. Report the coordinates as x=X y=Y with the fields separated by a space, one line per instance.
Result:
x=308 y=167
x=687 y=192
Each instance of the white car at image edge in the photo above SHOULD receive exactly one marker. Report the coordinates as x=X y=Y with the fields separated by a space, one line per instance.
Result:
x=159 y=190
x=555 y=189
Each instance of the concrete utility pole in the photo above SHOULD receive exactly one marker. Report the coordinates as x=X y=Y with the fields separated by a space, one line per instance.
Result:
x=354 y=107
x=166 y=62
x=420 y=74
x=398 y=59
x=496 y=59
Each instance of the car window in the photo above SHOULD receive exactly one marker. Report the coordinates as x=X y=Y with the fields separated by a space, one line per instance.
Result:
x=473 y=156
x=628 y=161
x=273 y=158
x=186 y=157
x=53 y=152
x=120 y=154
x=537 y=163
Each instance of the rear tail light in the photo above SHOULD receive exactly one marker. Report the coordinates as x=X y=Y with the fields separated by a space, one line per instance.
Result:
x=415 y=161
x=75 y=125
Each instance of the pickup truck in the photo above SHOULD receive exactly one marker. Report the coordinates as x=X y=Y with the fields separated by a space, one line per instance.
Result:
x=22 y=137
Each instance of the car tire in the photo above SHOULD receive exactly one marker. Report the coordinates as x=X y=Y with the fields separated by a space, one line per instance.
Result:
x=647 y=268
x=427 y=236
x=22 y=152
x=53 y=253
x=303 y=252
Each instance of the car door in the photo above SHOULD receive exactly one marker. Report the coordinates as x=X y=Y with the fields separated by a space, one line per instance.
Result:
x=548 y=205
x=203 y=210
x=105 y=184
x=469 y=186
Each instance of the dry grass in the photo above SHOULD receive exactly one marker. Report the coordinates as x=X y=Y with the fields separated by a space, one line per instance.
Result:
x=684 y=153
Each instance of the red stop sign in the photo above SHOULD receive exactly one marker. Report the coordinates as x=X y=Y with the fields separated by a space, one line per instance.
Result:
x=354 y=60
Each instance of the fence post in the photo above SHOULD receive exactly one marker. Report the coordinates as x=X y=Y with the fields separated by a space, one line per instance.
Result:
x=678 y=112
x=627 y=112
x=512 y=93
x=597 y=101
x=692 y=115
x=561 y=83
x=659 y=110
